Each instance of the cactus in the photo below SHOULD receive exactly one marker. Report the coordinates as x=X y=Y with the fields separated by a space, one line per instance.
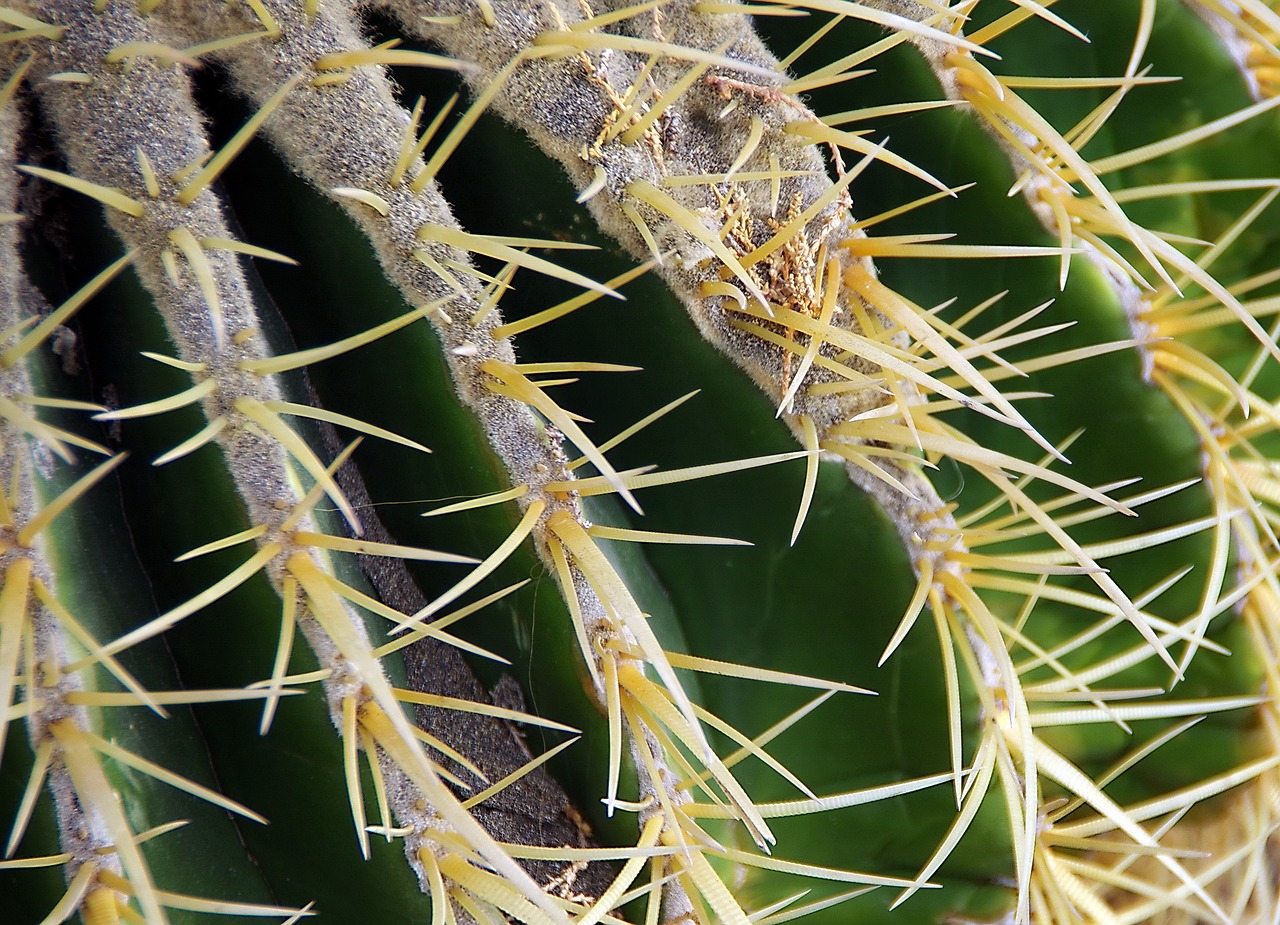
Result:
x=350 y=421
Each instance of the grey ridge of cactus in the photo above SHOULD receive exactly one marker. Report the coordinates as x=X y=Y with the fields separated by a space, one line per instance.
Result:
x=923 y=349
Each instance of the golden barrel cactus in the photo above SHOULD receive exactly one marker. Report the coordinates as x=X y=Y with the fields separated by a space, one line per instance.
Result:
x=583 y=408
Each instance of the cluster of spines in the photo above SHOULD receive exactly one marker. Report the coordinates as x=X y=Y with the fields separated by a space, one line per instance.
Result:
x=889 y=353
x=46 y=686
x=316 y=56
x=1064 y=190
x=1249 y=31
x=1049 y=164
x=162 y=207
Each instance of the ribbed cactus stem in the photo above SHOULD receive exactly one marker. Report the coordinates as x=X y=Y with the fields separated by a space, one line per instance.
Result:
x=201 y=289
x=704 y=163
x=771 y=259
x=747 y=147
x=692 y=145
x=1092 y=219
x=35 y=630
x=23 y=562
x=308 y=113
x=413 y=234
x=175 y=227
x=735 y=204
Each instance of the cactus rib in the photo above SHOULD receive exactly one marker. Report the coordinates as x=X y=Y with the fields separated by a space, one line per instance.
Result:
x=210 y=317
x=1175 y=367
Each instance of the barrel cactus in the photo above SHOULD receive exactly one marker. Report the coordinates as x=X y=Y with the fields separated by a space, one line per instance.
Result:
x=356 y=567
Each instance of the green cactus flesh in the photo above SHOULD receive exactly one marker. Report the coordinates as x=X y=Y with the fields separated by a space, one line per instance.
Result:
x=865 y=648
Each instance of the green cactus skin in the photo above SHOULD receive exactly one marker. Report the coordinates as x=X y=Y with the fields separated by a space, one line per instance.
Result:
x=1082 y=729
